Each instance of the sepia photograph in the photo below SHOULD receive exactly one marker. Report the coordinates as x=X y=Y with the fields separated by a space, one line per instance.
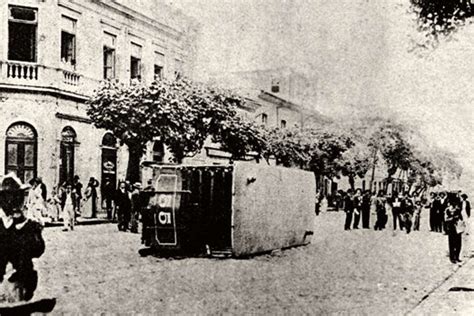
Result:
x=236 y=157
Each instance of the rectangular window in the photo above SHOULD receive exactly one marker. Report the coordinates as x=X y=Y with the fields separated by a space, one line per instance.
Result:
x=136 y=62
x=275 y=86
x=109 y=63
x=109 y=56
x=159 y=63
x=158 y=72
x=283 y=124
x=22 y=25
x=68 y=41
x=178 y=69
x=264 y=119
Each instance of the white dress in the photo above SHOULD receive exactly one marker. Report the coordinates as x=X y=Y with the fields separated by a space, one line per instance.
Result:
x=36 y=205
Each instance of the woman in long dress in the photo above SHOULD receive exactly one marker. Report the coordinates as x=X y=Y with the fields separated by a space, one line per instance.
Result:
x=35 y=203
x=68 y=208
x=90 y=200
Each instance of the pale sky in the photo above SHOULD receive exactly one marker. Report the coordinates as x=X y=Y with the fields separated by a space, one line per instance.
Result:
x=357 y=53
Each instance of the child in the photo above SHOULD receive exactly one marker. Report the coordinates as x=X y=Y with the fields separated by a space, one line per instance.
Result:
x=54 y=205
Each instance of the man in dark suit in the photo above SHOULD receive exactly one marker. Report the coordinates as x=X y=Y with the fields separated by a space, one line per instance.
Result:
x=465 y=206
x=366 y=200
x=431 y=206
x=396 y=204
x=123 y=206
x=348 y=208
x=357 y=204
x=443 y=204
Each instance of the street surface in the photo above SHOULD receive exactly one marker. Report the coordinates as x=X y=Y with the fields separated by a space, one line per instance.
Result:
x=96 y=269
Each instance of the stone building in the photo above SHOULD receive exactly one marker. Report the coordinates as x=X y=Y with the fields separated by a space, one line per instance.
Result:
x=53 y=54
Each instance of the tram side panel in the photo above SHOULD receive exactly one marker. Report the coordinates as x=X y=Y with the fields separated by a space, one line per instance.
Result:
x=273 y=208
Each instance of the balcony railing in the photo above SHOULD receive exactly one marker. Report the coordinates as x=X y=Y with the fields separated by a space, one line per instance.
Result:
x=22 y=71
x=39 y=76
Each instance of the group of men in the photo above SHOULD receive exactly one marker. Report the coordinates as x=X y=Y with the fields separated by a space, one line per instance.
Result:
x=438 y=204
x=124 y=204
x=405 y=209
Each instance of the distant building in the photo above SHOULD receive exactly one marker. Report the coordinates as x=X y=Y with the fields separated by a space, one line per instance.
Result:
x=284 y=82
x=53 y=54
x=274 y=98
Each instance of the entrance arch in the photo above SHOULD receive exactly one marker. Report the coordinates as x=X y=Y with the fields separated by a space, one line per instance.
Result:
x=21 y=151
x=67 y=153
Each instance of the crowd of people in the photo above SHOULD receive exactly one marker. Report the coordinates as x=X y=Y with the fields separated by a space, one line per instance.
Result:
x=448 y=213
x=124 y=203
x=66 y=202
x=70 y=201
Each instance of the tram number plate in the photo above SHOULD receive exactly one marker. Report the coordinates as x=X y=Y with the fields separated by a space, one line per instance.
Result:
x=165 y=218
x=165 y=221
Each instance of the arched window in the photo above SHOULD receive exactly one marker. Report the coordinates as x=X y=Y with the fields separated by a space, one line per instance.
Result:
x=109 y=140
x=21 y=151
x=158 y=151
x=67 y=147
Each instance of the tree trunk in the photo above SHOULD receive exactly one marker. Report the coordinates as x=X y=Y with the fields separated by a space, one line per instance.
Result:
x=135 y=154
x=372 y=177
x=352 y=182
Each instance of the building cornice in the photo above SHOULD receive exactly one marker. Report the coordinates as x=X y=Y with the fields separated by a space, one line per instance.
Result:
x=44 y=90
x=134 y=15
x=75 y=118
x=270 y=97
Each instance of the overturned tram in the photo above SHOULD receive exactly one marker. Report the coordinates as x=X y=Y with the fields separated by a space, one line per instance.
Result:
x=234 y=210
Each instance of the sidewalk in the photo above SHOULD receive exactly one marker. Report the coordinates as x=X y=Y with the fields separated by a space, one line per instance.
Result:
x=82 y=221
x=455 y=296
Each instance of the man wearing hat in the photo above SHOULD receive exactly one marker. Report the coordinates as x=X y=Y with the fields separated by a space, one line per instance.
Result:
x=136 y=207
x=20 y=242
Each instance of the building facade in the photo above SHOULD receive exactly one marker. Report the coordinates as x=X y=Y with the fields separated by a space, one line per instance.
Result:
x=53 y=55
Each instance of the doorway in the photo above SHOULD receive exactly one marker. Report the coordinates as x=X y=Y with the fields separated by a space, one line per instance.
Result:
x=67 y=153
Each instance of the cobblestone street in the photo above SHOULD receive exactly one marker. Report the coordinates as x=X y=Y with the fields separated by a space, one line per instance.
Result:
x=96 y=269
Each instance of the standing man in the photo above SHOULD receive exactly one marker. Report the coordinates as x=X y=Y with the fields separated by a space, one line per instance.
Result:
x=366 y=203
x=396 y=204
x=453 y=216
x=357 y=204
x=443 y=204
x=136 y=207
x=77 y=188
x=348 y=208
x=407 y=210
x=123 y=206
x=431 y=205
x=108 y=196
x=466 y=215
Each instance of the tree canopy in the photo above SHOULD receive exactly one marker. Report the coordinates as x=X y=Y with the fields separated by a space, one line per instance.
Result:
x=180 y=113
x=183 y=115
x=441 y=17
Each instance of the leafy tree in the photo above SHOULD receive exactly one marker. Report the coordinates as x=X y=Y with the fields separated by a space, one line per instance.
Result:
x=291 y=147
x=437 y=17
x=390 y=141
x=327 y=152
x=179 y=112
x=239 y=137
x=356 y=162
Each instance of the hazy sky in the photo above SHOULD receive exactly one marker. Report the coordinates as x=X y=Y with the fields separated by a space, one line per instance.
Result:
x=357 y=54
